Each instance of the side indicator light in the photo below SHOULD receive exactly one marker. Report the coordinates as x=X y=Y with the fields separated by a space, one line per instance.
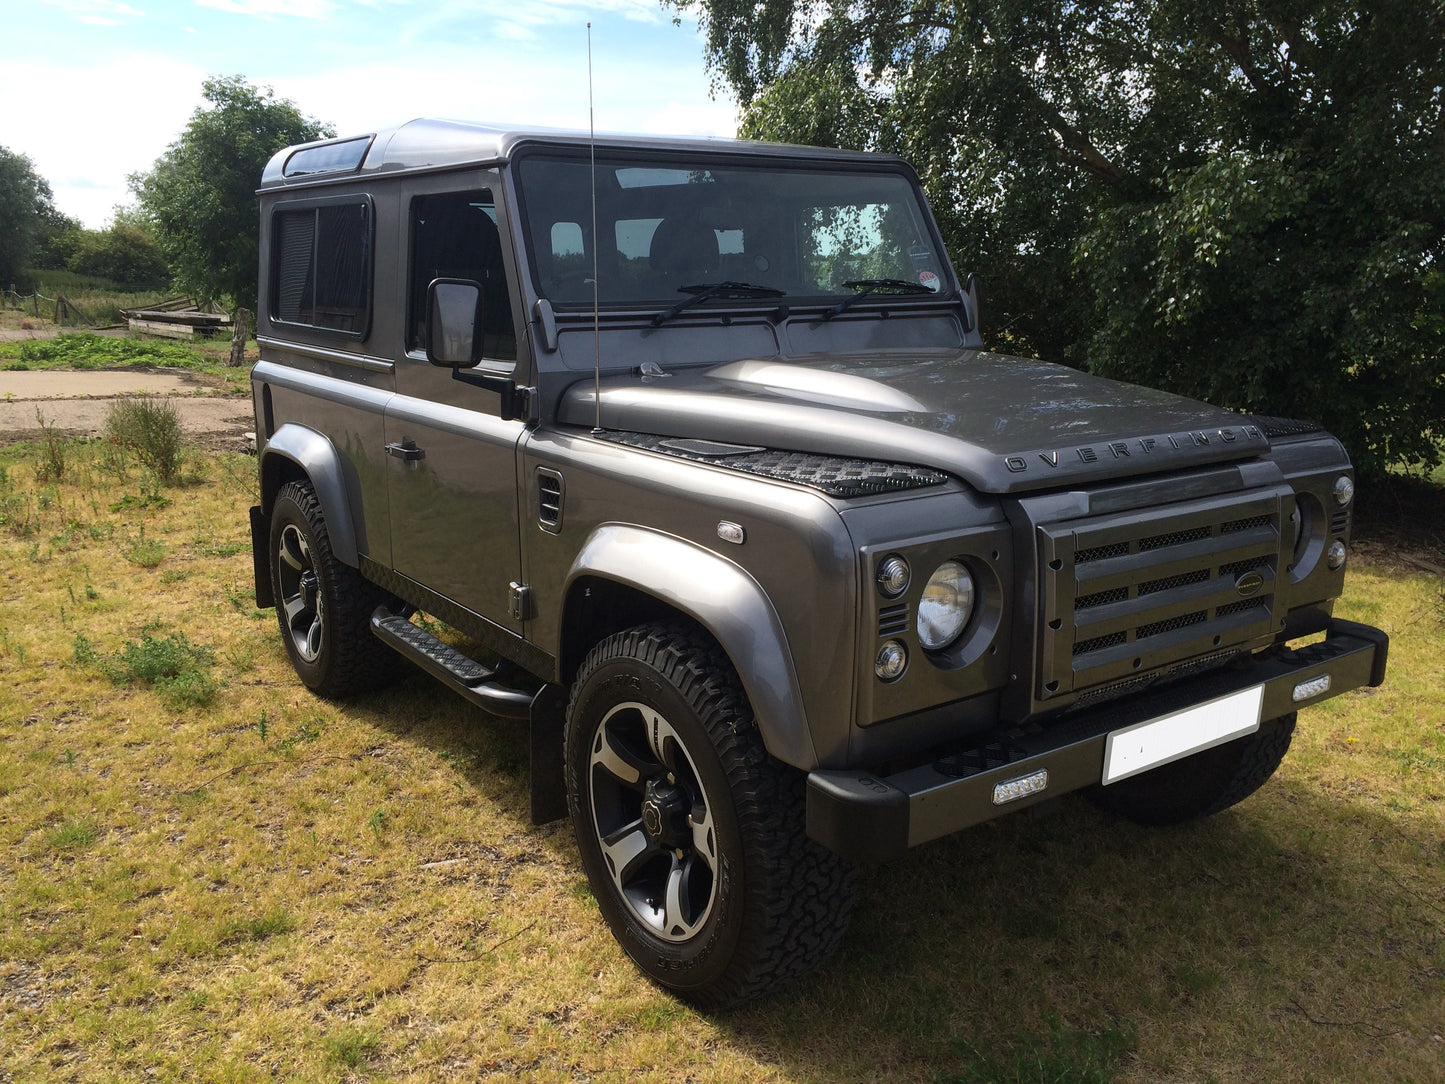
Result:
x=1013 y=789
x=1305 y=690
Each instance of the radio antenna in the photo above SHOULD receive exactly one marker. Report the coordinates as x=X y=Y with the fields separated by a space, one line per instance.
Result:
x=596 y=313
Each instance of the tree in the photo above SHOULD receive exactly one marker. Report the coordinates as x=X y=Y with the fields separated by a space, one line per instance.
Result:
x=56 y=235
x=126 y=253
x=25 y=202
x=201 y=194
x=1242 y=200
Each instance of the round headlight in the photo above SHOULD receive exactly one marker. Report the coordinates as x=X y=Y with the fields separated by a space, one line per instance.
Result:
x=893 y=576
x=892 y=660
x=946 y=605
x=1344 y=490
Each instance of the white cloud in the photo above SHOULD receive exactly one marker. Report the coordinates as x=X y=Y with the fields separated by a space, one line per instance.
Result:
x=97 y=12
x=521 y=21
x=510 y=89
x=709 y=119
x=299 y=9
x=148 y=100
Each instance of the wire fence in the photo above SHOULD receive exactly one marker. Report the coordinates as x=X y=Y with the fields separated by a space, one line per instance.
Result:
x=60 y=308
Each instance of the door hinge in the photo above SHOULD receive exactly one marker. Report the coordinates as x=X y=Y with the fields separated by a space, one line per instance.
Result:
x=519 y=601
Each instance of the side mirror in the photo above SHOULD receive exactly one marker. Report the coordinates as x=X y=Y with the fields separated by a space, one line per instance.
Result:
x=454 y=323
x=971 y=288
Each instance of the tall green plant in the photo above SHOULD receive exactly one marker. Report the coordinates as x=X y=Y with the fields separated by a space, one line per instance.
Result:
x=150 y=428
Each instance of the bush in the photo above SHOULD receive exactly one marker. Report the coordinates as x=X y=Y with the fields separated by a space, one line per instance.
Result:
x=150 y=428
x=124 y=254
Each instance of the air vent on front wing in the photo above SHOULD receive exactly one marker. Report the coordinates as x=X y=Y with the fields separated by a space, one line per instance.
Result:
x=550 y=491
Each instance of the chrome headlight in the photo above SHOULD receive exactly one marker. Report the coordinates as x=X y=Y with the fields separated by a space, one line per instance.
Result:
x=946 y=605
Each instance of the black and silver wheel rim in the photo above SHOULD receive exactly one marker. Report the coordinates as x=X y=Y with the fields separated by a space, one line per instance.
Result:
x=301 y=602
x=654 y=822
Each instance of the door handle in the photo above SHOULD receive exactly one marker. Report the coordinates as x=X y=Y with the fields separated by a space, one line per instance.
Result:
x=406 y=451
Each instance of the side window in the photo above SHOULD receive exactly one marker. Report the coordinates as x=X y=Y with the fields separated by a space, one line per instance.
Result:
x=321 y=266
x=454 y=236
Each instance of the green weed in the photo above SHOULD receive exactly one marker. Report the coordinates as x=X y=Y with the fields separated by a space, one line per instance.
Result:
x=50 y=467
x=152 y=430
x=222 y=549
x=83 y=652
x=71 y=835
x=146 y=552
x=178 y=671
x=273 y=923
x=155 y=501
x=308 y=731
x=350 y=1046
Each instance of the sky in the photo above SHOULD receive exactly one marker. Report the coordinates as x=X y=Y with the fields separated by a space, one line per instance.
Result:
x=94 y=90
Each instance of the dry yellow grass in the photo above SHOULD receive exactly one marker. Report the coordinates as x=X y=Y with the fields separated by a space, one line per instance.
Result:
x=268 y=886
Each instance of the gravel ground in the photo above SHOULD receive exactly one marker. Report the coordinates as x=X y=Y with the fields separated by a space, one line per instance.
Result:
x=75 y=403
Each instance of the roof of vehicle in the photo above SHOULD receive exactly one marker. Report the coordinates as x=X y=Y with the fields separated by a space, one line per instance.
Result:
x=428 y=144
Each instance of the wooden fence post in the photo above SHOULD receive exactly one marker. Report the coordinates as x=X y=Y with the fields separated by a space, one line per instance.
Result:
x=239 y=331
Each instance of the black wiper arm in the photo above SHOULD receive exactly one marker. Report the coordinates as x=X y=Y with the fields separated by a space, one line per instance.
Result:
x=706 y=290
x=869 y=286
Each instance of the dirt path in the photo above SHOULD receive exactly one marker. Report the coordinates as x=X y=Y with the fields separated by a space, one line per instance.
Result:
x=76 y=402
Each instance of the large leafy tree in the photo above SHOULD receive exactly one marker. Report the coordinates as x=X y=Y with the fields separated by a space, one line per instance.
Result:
x=1242 y=200
x=201 y=194
x=25 y=208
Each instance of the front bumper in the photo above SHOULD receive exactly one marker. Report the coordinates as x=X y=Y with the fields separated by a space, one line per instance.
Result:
x=866 y=817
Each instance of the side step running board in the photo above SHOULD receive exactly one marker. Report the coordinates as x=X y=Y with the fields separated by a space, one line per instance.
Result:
x=461 y=674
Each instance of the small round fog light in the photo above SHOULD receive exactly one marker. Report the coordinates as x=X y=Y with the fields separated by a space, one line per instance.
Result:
x=1335 y=555
x=891 y=662
x=893 y=576
x=1344 y=490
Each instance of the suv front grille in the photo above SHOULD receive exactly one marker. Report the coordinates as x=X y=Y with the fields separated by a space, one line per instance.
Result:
x=1131 y=594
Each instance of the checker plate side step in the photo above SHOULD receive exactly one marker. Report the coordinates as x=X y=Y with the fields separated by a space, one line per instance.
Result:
x=462 y=674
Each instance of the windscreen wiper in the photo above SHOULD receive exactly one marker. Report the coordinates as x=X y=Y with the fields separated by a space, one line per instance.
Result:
x=706 y=290
x=870 y=286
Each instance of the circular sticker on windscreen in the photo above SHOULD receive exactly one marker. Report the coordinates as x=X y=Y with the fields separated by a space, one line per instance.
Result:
x=929 y=279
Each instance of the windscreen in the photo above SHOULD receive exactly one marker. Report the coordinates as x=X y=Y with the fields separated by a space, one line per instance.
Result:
x=666 y=227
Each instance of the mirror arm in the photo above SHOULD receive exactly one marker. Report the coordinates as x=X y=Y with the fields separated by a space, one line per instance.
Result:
x=517 y=402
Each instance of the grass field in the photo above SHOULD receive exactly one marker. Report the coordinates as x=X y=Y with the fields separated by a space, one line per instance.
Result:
x=208 y=874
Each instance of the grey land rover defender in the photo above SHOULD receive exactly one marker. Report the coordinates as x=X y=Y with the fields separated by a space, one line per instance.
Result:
x=697 y=446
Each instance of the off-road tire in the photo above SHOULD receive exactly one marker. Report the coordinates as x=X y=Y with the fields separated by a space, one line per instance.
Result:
x=328 y=639
x=1203 y=784
x=780 y=903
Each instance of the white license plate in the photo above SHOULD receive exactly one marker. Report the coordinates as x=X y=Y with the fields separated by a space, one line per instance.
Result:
x=1149 y=744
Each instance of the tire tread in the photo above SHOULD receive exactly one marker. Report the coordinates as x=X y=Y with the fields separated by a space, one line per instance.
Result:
x=357 y=662
x=798 y=895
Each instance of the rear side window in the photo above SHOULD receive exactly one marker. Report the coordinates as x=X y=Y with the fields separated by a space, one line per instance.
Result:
x=321 y=265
